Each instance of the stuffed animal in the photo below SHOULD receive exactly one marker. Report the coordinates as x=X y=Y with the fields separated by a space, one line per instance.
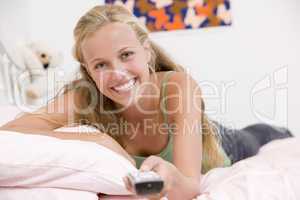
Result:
x=38 y=64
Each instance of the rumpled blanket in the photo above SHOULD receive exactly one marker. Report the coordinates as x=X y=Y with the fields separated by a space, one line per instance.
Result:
x=272 y=174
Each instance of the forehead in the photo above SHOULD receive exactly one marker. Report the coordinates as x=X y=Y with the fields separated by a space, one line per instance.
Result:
x=111 y=36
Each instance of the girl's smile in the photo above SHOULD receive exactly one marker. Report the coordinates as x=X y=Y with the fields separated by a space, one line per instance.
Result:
x=124 y=88
x=117 y=62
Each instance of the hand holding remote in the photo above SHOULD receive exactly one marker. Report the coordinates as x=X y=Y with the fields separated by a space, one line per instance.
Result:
x=176 y=186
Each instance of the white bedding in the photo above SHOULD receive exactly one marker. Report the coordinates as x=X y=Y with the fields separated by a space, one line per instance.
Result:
x=7 y=113
x=273 y=174
x=37 y=161
x=45 y=194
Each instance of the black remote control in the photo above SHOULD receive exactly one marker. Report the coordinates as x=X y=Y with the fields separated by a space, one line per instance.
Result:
x=146 y=183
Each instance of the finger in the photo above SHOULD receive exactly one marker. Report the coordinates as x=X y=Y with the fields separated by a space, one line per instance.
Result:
x=128 y=185
x=151 y=163
x=155 y=197
x=158 y=196
x=126 y=182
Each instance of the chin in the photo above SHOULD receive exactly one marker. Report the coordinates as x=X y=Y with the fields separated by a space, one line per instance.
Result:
x=122 y=102
x=126 y=103
x=126 y=98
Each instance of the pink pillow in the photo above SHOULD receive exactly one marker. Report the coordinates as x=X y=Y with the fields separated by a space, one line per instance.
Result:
x=9 y=112
x=41 y=161
x=45 y=194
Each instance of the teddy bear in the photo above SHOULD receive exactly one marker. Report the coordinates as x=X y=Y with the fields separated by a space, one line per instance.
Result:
x=37 y=64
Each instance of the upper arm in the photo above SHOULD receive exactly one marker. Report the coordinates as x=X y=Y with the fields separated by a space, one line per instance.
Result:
x=55 y=114
x=184 y=111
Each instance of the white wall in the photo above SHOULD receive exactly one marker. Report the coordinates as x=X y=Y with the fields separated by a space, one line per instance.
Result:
x=53 y=21
x=14 y=21
x=14 y=28
x=263 y=39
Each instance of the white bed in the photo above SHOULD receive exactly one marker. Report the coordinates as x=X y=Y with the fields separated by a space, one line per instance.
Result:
x=272 y=174
x=8 y=112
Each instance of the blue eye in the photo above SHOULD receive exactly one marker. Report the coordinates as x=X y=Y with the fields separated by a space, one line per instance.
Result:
x=99 y=65
x=126 y=54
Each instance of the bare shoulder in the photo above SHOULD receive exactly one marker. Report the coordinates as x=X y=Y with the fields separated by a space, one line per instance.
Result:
x=175 y=77
x=182 y=94
x=181 y=82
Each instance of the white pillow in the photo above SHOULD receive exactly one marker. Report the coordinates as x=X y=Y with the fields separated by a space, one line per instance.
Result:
x=45 y=194
x=41 y=161
x=272 y=174
x=8 y=113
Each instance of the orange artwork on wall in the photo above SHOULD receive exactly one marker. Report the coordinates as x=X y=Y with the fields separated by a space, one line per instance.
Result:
x=165 y=15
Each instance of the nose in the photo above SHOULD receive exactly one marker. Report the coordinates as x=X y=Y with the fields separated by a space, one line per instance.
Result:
x=46 y=65
x=118 y=74
x=116 y=65
x=118 y=70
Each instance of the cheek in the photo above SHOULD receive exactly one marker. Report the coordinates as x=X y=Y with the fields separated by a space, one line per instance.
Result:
x=142 y=72
x=101 y=81
x=135 y=67
x=138 y=66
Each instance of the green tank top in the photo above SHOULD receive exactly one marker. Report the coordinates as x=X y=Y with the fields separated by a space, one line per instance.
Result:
x=167 y=152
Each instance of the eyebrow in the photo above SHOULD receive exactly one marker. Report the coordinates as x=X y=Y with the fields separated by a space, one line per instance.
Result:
x=120 y=50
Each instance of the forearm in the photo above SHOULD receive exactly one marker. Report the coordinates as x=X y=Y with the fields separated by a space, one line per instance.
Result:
x=192 y=185
x=189 y=178
x=93 y=137
x=185 y=188
x=97 y=137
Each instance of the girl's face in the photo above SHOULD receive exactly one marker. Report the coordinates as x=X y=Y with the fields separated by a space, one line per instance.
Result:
x=117 y=62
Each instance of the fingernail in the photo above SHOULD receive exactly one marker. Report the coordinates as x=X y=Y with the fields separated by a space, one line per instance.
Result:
x=145 y=168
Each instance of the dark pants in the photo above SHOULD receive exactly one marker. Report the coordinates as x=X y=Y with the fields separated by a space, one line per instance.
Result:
x=243 y=143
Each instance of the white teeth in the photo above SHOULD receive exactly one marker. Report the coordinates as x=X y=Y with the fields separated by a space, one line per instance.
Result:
x=125 y=87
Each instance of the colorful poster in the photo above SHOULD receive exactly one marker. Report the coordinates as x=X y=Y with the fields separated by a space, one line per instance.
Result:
x=165 y=15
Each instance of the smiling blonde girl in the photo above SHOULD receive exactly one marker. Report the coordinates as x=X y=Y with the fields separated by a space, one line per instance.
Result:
x=127 y=79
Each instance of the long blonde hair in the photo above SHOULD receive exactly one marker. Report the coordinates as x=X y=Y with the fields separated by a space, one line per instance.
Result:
x=160 y=61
